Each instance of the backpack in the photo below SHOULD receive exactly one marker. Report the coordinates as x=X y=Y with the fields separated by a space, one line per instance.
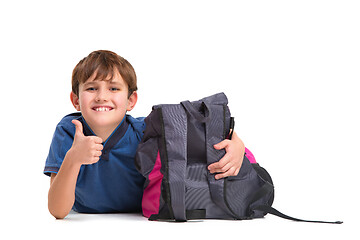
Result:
x=173 y=156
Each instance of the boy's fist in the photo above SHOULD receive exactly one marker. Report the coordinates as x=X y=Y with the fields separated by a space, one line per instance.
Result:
x=85 y=149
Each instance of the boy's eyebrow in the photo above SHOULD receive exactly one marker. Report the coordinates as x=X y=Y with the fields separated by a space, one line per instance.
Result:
x=116 y=82
x=88 y=83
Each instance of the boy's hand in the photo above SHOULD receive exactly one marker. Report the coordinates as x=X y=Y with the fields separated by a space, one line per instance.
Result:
x=85 y=149
x=231 y=163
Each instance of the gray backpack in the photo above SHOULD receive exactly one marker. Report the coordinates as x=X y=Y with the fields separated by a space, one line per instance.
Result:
x=174 y=154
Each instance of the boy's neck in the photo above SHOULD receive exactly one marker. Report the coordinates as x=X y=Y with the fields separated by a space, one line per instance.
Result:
x=103 y=133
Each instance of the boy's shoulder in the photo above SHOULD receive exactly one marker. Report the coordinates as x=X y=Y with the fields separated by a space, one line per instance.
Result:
x=137 y=123
x=66 y=123
x=71 y=116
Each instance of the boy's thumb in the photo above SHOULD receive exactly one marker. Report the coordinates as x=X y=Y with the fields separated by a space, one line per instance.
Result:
x=78 y=127
x=221 y=145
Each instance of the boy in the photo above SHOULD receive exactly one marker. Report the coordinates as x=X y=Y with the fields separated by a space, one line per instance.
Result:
x=91 y=157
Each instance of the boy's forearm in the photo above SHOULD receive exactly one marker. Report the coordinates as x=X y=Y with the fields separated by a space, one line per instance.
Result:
x=62 y=189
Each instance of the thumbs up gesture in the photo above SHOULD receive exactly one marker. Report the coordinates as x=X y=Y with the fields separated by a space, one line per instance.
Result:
x=85 y=149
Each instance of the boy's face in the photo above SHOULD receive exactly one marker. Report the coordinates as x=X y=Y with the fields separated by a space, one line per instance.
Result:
x=103 y=103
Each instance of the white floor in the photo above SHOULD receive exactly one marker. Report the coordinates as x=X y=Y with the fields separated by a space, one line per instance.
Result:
x=135 y=226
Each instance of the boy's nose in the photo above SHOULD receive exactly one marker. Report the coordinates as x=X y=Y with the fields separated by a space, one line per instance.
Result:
x=101 y=96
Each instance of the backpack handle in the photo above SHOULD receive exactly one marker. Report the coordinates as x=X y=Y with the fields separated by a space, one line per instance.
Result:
x=195 y=113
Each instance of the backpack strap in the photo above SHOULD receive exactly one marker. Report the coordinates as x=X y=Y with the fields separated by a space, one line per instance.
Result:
x=176 y=139
x=273 y=211
x=215 y=130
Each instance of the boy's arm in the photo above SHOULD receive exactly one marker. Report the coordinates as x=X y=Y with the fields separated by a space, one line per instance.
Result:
x=84 y=150
x=231 y=163
x=61 y=196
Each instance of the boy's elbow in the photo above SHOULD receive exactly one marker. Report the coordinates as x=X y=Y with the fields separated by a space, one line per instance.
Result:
x=60 y=217
x=58 y=211
x=58 y=208
x=58 y=214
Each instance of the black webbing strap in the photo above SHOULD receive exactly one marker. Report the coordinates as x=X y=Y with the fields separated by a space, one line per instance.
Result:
x=195 y=214
x=232 y=125
x=190 y=215
x=273 y=211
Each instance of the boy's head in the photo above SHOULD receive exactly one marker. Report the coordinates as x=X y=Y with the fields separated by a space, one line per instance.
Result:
x=104 y=64
x=103 y=89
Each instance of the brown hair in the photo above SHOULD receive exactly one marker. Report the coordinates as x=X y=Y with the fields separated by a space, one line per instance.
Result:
x=104 y=64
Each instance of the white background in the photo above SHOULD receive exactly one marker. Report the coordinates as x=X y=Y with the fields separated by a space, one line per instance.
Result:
x=290 y=70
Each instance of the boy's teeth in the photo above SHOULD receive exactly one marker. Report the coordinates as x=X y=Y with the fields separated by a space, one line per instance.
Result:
x=101 y=109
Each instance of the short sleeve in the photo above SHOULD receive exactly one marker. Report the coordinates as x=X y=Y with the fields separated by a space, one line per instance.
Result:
x=138 y=124
x=60 y=144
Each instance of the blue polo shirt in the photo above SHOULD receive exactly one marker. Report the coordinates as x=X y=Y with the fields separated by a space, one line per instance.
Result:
x=112 y=184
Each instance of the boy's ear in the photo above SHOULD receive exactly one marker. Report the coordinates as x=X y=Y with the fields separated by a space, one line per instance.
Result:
x=132 y=101
x=75 y=101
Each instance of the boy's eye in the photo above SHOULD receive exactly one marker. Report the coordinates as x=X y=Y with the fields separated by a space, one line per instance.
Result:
x=114 y=89
x=91 y=89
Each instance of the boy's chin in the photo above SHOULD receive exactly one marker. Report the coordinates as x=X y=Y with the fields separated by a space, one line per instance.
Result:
x=104 y=123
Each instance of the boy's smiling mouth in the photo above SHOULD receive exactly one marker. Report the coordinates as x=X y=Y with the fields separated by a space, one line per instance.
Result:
x=102 y=108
